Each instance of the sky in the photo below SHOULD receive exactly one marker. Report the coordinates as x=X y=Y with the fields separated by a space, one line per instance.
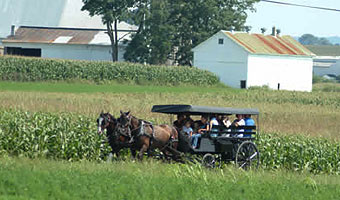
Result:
x=296 y=21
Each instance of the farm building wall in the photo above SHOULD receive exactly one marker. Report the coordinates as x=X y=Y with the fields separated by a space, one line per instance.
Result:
x=71 y=51
x=227 y=60
x=333 y=69
x=283 y=72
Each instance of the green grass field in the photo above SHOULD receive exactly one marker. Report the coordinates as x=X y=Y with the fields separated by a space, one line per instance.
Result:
x=283 y=112
x=45 y=179
x=88 y=87
x=313 y=114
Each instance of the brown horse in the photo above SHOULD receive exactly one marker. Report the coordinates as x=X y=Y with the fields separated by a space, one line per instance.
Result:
x=116 y=141
x=148 y=137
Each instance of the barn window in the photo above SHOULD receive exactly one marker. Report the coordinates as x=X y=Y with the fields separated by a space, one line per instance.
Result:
x=220 y=41
x=243 y=84
x=18 y=51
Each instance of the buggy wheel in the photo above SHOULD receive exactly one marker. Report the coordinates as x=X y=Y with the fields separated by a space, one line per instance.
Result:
x=208 y=160
x=247 y=156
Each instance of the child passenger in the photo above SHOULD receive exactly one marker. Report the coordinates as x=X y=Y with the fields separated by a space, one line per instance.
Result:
x=187 y=128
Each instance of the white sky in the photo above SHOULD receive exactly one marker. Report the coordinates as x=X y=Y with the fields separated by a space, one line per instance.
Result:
x=297 y=21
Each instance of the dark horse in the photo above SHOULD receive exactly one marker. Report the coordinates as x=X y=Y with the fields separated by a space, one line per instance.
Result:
x=148 y=137
x=116 y=141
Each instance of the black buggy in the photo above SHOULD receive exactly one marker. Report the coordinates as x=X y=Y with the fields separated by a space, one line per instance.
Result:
x=229 y=145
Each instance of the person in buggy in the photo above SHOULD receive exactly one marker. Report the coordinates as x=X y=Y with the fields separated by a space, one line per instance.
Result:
x=213 y=122
x=201 y=127
x=178 y=124
x=248 y=121
x=186 y=129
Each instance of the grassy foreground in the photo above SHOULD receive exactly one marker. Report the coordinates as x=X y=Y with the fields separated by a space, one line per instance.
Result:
x=151 y=180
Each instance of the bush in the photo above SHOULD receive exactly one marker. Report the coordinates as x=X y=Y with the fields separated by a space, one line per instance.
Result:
x=320 y=79
x=37 y=69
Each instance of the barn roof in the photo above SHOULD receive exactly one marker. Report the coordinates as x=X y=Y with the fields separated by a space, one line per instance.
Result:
x=268 y=44
x=58 y=35
x=201 y=110
x=324 y=50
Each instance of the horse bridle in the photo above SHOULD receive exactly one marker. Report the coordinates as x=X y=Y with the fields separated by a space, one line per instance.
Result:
x=107 y=119
x=124 y=129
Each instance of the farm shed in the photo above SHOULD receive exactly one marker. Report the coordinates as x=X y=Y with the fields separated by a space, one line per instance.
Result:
x=243 y=60
x=65 y=43
x=43 y=13
x=60 y=13
x=327 y=60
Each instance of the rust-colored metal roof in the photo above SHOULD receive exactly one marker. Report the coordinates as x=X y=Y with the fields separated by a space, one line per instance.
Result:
x=268 y=44
x=50 y=35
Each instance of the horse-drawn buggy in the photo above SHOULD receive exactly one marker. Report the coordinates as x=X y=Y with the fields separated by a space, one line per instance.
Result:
x=216 y=145
x=219 y=143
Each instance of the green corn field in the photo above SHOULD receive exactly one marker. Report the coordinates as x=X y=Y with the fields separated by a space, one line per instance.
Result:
x=35 y=69
x=73 y=137
x=63 y=136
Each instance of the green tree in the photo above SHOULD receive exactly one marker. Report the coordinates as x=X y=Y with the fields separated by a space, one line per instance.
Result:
x=153 y=41
x=197 y=20
x=309 y=39
x=111 y=12
x=160 y=32
x=176 y=26
x=324 y=41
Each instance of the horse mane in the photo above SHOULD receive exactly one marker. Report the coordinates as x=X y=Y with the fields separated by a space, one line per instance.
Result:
x=112 y=117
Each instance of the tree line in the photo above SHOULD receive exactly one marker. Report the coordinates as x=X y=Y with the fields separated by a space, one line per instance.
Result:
x=309 y=39
x=168 y=29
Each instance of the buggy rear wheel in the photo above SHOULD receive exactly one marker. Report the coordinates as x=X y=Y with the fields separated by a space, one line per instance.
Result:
x=247 y=156
x=208 y=160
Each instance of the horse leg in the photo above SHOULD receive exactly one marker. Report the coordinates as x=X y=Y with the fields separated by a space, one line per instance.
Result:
x=150 y=153
x=133 y=153
x=117 y=153
x=142 y=150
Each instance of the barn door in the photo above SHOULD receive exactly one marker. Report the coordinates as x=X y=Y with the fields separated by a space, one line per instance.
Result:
x=243 y=84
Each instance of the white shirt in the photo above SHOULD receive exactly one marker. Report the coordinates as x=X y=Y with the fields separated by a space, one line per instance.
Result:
x=214 y=121
x=240 y=123
x=187 y=130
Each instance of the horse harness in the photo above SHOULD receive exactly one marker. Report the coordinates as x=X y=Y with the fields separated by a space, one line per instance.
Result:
x=142 y=131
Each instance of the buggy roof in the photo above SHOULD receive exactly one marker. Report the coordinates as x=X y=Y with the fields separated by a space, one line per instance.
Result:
x=201 y=110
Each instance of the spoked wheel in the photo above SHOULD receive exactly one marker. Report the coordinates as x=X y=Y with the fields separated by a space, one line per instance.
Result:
x=247 y=156
x=208 y=160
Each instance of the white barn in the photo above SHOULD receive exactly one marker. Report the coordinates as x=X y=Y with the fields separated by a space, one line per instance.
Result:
x=63 y=43
x=64 y=30
x=243 y=60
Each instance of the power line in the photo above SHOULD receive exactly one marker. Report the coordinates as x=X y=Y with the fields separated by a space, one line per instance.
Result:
x=300 y=5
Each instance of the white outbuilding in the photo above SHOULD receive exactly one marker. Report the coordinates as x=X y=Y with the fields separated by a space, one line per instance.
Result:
x=244 y=60
x=65 y=43
x=56 y=29
x=326 y=61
